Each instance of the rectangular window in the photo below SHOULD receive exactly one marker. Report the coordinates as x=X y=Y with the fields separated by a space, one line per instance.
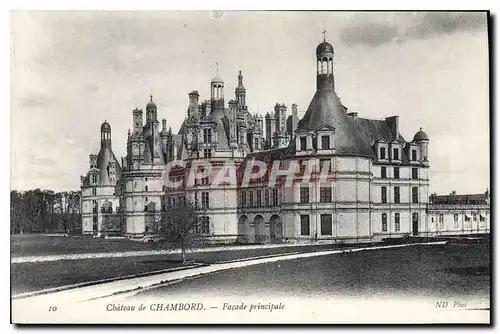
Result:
x=414 y=195
x=325 y=142
x=382 y=153
x=304 y=225
x=326 y=224
x=94 y=192
x=256 y=143
x=414 y=173
x=383 y=194
x=325 y=194
x=474 y=216
x=395 y=154
x=207 y=136
x=304 y=195
x=413 y=155
x=397 y=223
x=250 y=200
x=455 y=220
x=205 y=225
x=396 y=172
x=259 y=198
x=275 y=197
x=303 y=143
x=266 y=197
x=205 y=200
x=397 y=197
x=207 y=153
x=383 y=172
x=384 y=222
x=243 y=199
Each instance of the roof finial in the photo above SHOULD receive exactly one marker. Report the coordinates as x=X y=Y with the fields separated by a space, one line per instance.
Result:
x=324 y=35
x=217 y=67
x=151 y=98
x=420 y=128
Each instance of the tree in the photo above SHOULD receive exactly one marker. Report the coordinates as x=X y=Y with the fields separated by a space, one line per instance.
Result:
x=181 y=227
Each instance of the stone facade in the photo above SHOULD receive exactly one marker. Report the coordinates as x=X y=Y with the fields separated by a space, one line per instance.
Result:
x=376 y=186
x=459 y=214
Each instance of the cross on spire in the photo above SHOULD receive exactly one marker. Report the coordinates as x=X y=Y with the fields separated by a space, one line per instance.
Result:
x=324 y=35
x=151 y=98
x=217 y=67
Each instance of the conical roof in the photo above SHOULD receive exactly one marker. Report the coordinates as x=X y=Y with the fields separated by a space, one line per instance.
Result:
x=326 y=109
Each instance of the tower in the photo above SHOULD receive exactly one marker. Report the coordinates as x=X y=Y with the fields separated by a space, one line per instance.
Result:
x=217 y=91
x=423 y=140
x=240 y=93
x=151 y=110
x=105 y=135
x=270 y=129
x=324 y=64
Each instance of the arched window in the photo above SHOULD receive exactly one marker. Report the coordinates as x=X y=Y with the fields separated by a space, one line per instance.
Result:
x=384 y=222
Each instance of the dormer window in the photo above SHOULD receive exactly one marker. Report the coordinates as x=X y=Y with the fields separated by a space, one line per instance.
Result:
x=325 y=142
x=413 y=155
x=303 y=143
x=382 y=153
x=395 y=153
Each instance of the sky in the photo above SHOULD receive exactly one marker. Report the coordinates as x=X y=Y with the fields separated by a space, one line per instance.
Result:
x=71 y=70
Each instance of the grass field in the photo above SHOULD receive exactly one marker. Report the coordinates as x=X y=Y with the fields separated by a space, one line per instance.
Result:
x=35 y=276
x=27 y=277
x=418 y=271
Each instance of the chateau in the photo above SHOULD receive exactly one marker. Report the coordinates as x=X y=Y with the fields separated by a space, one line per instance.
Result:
x=377 y=183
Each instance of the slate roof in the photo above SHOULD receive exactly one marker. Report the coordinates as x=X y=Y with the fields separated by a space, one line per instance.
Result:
x=104 y=157
x=326 y=109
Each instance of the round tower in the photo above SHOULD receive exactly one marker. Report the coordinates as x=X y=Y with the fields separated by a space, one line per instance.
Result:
x=324 y=65
x=423 y=140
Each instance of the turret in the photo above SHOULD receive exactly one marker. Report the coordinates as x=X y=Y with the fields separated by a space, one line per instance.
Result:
x=217 y=91
x=105 y=135
x=240 y=93
x=324 y=63
x=151 y=110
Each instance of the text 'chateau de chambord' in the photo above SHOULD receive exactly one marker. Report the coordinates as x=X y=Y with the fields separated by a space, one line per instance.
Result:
x=379 y=184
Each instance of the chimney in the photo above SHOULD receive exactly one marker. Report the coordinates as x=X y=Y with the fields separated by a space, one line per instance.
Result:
x=393 y=124
x=193 y=103
x=295 y=118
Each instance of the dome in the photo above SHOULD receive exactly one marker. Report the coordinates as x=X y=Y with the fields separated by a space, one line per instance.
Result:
x=421 y=135
x=217 y=79
x=324 y=47
x=151 y=104
x=105 y=127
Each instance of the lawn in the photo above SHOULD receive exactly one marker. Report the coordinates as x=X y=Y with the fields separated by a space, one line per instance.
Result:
x=27 y=277
x=455 y=269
